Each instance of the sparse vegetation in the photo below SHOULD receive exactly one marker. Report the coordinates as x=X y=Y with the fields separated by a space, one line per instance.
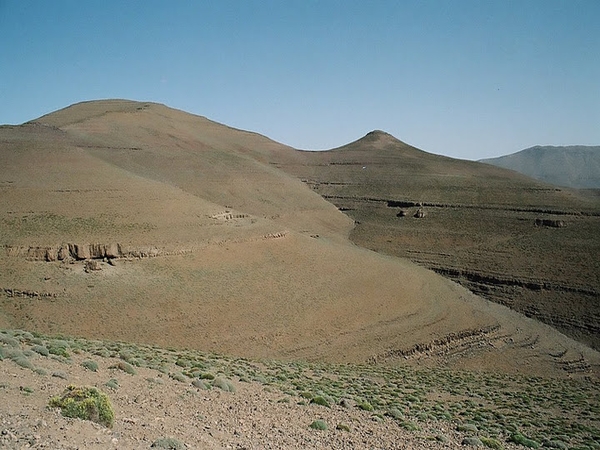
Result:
x=518 y=438
x=494 y=408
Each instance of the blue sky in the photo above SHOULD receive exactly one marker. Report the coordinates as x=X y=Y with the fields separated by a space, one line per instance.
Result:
x=468 y=79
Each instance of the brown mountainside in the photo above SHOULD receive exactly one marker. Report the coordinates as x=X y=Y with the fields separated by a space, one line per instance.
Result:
x=137 y=222
x=517 y=241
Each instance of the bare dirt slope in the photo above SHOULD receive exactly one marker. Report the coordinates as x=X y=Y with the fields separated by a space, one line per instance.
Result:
x=522 y=243
x=136 y=222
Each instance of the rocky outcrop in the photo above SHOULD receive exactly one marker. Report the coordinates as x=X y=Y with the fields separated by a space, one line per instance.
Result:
x=81 y=252
x=67 y=251
x=450 y=343
x=552 y=223
x=10 y=292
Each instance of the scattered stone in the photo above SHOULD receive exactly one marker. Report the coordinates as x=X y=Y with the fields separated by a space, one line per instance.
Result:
x=92 y=265
x=419 y=214
x=552 y=223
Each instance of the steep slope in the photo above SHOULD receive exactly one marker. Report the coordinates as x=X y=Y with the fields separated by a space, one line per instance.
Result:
x=133 y=221
x=576 y=166
x=525 y=244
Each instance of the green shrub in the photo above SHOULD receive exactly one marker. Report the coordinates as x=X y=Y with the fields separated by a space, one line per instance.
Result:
x=90 y=365
x=11 y=353
x=342 y=427
x=86 y=403
x=168 y=443
x=410 y=426
x=58 y=351
x=467 y=428
x=24 y=362
x=491 y=443
x=472 y=440
x=518 y=438
x=223 y=384
x=41 y=350
x=112 y=383
x=320 y=400
x=318 y=425
x=395 y=413
x=60 y=374
x=178 y=376
x=554 y=444
x=9 y=340
x=201 y=384
x=365 y=406
x=126 y=367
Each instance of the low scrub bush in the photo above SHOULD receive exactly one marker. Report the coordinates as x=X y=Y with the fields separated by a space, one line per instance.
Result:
x=342 y=427
x=86 y=403
x=9 y=340
x=223 y=384
x=112 y=383
x=178 y=376
x=24 y=362
x=518 y=438
x=319 y=400
x=365 y=406
x=40 y=349
x=90 y=365
x=126 y=367
x=491 y=443
x=318 y=425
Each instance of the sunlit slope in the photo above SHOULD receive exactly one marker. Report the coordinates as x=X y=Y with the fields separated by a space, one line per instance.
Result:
x=137 y=222
x=203 y=158
x=55 y=192
x=520 y=242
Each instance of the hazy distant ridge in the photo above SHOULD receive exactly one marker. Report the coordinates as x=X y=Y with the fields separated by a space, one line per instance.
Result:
x=576 y=166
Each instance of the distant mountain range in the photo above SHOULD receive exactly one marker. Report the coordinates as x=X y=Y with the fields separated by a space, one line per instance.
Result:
x=575 y=166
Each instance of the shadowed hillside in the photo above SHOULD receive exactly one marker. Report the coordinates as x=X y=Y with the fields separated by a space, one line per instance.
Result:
x=528 y=245
x=137 y=222
x=576 y=166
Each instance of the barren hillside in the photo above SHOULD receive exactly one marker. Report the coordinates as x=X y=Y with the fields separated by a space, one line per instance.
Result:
x=136 y=222
x=528 y=245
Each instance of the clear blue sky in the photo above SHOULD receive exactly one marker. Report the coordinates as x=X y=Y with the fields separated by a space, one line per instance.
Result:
x=468 y=79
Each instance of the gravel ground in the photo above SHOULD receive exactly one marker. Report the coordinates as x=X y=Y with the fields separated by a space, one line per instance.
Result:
x=150 y=405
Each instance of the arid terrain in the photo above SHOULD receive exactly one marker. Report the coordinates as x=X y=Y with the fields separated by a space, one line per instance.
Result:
x=522 y=243
x=133 y=222
x=181 y=399
x=576 y=166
